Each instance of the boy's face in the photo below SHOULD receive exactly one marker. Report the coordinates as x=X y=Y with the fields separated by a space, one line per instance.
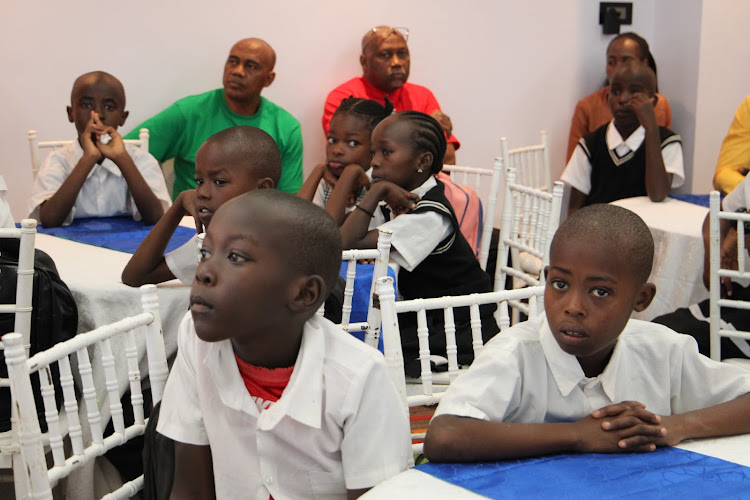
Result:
x=591 y=291
x=243 y=283
x=98 y=94
x=218 y=179
x=625 y=84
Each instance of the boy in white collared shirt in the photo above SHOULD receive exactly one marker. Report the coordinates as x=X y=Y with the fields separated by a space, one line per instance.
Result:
x=631 y=155
x=98 y=175
x=584 y=377
x=267 y=399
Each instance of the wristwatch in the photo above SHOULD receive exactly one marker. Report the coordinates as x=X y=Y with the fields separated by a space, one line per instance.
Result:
x=746 y=224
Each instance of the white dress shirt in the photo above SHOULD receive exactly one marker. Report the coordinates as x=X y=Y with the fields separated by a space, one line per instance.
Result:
x=338 y=425
x=105 y=192
x=523 y=376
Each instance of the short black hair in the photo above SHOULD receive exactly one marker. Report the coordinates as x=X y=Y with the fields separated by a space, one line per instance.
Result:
x=369 y=111
x=427 y=135
x=638 y=70
x=253 y=148
x=98 y=76
x=311 y=236
x=612 y=227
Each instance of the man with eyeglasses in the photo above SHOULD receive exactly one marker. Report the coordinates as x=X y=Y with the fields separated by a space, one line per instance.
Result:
x=385 y=66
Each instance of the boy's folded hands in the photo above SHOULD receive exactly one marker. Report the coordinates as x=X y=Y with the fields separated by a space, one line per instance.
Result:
x=625 y=426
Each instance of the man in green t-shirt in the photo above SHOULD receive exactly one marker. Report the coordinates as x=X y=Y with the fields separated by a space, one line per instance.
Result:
x=178 y=131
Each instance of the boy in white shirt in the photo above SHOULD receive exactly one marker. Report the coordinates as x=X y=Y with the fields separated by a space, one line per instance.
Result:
x=98 y=175
x=267 y=399
x=585 y=377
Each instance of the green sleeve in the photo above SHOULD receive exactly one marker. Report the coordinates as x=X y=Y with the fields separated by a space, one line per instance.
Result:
x=291 y=162
x=166 y=130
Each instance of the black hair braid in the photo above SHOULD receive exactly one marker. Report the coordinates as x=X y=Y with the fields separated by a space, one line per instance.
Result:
x=371 y=112
x=428 y=136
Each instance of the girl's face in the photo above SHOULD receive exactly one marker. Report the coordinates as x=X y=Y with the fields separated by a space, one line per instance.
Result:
x=348 y=142
x=620 y=51
x=394 y=157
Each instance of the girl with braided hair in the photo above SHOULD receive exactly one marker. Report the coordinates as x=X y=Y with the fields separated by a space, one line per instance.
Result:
x=342 y=181
x=434 y=258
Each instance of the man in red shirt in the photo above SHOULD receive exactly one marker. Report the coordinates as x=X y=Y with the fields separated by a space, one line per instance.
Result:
x=385 y=66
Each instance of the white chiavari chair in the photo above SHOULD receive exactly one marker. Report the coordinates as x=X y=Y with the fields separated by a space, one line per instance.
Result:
x=716 y=303
x=531 y=163
x=530 y=219
x=430 y=388
x=33 y=477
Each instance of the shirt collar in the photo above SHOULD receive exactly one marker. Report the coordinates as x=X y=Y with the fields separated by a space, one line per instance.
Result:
x=567 y=372
x=621 y=149
x=425 y=186
x=378 y=95
x=107 y=164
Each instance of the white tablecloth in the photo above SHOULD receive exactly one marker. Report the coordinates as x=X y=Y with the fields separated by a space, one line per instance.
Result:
x=678 y=252
x=93 y=276
x=416 y=485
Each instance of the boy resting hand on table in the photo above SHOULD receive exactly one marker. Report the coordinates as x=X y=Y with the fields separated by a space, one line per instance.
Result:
x=230 y=163
x=98 y=175
x=585 y=377
x=265 y=397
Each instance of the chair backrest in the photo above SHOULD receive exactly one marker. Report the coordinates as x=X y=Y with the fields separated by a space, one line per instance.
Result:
x=530 y=219
x=531 y=163
x=35 y=145
x=390 y=309
x=99 y=382
x=24 y=288
x=380 y=255
x=479 y=179
x=716 y=215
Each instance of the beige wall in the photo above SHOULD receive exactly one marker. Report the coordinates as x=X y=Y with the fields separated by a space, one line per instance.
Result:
x=503 y=68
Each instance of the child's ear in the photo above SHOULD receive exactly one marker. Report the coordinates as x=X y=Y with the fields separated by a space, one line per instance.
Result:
x=645 y=296
x=655 y=99
x=124 y=116
x=265 y=183
x=306 y=292
x=424 y=161
x=71 y=118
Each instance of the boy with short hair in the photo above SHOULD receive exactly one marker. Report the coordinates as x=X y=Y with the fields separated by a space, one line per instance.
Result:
x=630 y=156
x=98 y=175
x=265 y=397
x=230 y=163
x=585 y=377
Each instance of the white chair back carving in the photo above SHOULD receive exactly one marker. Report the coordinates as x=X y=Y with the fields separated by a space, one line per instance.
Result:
x=530 y=219
x=716 y=303
x=428 y=395
x=33 y=475
x=531 y=163
x=35 y=146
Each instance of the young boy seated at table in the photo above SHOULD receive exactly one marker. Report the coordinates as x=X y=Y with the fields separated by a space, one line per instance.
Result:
x=266 y=397
x=230 y=163
x=584 y=377
x=98 y=175
x=631 y=155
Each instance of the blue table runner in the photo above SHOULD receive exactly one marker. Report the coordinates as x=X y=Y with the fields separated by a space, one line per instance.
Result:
x=116 y=233
x=664 y=473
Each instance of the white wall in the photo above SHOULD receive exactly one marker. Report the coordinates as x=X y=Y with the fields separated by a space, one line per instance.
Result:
x=498 y=68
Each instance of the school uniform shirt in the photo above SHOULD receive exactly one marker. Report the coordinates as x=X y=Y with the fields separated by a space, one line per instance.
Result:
x=523 y=376
x=6 y=218
x=183 y=261
x=105 y=192
x=621 y=151
x=338 y=425
x=415 y=236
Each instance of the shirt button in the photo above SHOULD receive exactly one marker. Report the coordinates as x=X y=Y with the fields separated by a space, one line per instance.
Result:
x=269 y=480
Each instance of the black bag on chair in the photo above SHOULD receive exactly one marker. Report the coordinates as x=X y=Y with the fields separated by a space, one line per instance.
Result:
x=54 y=318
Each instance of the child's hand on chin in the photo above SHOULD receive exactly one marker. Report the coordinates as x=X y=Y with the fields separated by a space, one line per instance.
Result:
x=399 y=199
x=643 y=107
x=86 y=139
